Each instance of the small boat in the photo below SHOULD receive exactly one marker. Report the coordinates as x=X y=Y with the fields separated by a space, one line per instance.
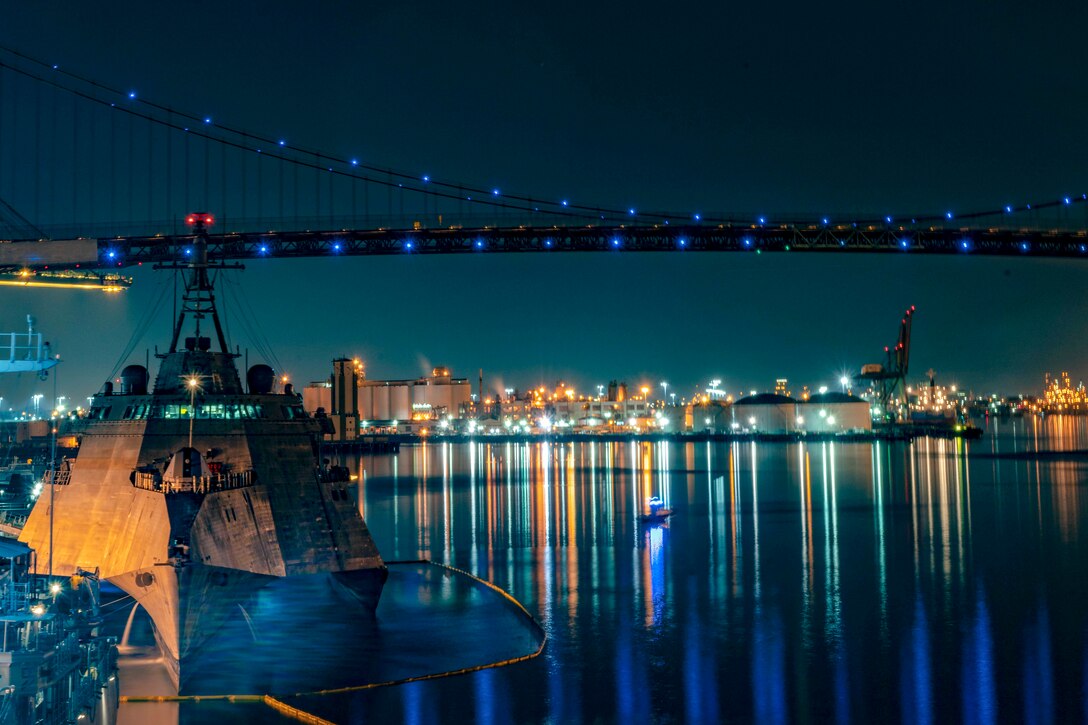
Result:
x=658 y=512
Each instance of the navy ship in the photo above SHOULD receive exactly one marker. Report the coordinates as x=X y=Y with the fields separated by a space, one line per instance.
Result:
x=193 y=495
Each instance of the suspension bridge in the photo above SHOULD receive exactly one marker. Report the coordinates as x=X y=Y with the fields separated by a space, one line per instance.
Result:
x=92 y=177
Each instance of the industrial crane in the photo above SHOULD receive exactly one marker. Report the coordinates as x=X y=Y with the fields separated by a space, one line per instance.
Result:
x=890 y=378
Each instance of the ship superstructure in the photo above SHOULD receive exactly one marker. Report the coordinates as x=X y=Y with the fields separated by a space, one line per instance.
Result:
x=193 y=495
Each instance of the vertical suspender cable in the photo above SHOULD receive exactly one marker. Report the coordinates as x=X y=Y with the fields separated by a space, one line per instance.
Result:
x=244 y=164
x=223 y=183
x=112 y=213
x=75 y=159
x=207 y=173
x=260 y=189
x=187 y=208
x=131 y=191
x=169 y=169
x=150 y=171
x=38 y=166
x=54 y=159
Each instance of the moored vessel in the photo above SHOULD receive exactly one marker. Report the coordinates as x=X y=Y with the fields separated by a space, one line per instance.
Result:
x=194 y=494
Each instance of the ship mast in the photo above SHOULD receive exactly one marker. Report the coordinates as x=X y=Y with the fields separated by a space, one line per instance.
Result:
x=198 y=301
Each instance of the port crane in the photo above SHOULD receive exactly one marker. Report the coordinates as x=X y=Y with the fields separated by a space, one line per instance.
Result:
x=890 y=378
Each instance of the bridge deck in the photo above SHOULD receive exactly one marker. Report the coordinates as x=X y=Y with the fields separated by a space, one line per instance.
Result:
x=114 y=252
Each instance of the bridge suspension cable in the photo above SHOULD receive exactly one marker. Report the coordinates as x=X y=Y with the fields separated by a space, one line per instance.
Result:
x=262 y=146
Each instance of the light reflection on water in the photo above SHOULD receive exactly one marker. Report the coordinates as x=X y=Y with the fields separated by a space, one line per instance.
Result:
x=837 y=582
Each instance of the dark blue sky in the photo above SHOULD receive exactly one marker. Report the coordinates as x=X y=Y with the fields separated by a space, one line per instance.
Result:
x=765 y=108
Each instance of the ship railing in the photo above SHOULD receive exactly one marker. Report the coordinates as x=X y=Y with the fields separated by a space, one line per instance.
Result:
x=61 y=477
x=13 y=596
x=151 y=481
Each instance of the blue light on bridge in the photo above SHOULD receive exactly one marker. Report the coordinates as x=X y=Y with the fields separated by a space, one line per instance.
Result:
x=564 y=202
x=495 y=192
x=1082 y=249
x=683 y=242
x=887 y=220
x=282 y=142
x=903 y=243
x=631 y=212
x=111 y=254
x=747 y=242
x=208 y=120
x=1067 y=200
x=948 y=215
x=337 y=247
x=1008 y=210
x=263 y=249
x=615 y=241
x=188 y=252
x=479 y=244
x=355 y=162
x=965 y=245
x=1024 y=246
x=426 y=179
x=825 y=221
x=408 y=246
x=762 y=220
x=548 y=243
x=132 y=95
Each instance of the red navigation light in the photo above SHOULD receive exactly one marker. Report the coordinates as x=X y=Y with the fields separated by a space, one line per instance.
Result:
x=200 y=218
x=912 y=308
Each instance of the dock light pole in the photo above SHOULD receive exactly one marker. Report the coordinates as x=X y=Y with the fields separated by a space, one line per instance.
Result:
x=194 y=383
x=52 y=488
x=665 y=389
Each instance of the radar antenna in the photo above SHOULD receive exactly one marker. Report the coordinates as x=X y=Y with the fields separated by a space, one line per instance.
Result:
x=198 y=301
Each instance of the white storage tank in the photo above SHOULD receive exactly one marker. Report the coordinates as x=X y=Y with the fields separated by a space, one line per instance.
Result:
x=834 y=413
x=765 y=413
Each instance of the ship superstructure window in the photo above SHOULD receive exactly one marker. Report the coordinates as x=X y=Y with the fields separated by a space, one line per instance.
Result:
x=293 y=412
x=208 y=411
x=100 y=413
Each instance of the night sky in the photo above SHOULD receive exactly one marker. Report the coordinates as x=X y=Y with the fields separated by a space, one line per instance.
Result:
x=762 y=108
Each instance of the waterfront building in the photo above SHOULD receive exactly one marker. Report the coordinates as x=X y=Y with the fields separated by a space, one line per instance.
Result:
x=833 y=412
x=706 y=415
x=1063 y=397
x=826 y=412
x=352 y=401
x=764 y=413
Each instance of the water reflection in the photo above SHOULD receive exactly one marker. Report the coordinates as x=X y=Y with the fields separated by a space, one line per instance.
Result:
x=849 y=582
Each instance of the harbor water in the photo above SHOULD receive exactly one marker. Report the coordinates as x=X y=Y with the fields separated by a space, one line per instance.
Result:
x=937 y=581
x=926 y=582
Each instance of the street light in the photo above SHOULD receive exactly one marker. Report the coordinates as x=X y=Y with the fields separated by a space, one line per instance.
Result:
x=600 y=391
x=194 y=383
x=845 y=381
x=37 y=398
x=665 y=389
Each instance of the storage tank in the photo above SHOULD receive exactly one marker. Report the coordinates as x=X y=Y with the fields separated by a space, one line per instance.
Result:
x=834 y=413
x=400 y=403
x=766 y=413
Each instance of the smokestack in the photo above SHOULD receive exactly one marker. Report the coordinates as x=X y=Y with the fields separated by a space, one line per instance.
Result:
x=480 y=390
